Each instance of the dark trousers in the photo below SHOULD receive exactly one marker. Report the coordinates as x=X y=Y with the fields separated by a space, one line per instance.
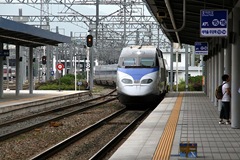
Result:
x=225 y=111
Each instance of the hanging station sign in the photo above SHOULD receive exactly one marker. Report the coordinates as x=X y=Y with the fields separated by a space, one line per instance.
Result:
x=213 y=23
x=201 y=48
x=4 y=52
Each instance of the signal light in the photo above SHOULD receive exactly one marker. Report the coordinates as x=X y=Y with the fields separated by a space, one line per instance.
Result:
x=89 y=40
x=44 y=59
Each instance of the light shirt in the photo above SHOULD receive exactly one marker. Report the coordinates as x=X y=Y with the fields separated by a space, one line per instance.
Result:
x=226 y=97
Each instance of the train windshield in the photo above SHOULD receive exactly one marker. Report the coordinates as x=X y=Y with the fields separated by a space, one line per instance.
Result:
x=147 y=62
x=133 y=62
x=129 y=62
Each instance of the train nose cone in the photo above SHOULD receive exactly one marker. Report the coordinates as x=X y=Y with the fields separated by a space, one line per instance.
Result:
x=136 y=90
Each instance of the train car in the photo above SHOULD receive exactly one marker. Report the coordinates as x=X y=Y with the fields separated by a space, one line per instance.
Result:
x=105 y=74
x=7 y=72
x=141 y=76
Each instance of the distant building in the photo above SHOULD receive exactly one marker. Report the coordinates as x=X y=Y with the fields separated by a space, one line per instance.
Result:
x=194 y=63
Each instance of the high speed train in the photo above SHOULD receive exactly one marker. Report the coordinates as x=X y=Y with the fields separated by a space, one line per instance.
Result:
x=105 y=74
x=141 y=75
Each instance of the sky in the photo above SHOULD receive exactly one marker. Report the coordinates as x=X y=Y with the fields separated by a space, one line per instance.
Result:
x=64 y=27
x=78 y=29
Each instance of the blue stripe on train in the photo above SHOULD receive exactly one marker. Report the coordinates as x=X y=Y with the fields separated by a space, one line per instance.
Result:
x=138 y=73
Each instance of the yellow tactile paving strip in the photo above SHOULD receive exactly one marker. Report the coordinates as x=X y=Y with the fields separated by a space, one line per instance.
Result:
x=164 y=147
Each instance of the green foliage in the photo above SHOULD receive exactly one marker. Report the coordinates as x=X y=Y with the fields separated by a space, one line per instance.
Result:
x=181 y=85
x=196 y=79
x=68 y=79
x=81 y=76
x=194 y=84
x=181 y=81
x=48 y=87
x=67 y=82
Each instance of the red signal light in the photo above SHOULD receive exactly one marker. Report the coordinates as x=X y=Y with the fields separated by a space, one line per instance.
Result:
x=44 y=59
x=89 y=40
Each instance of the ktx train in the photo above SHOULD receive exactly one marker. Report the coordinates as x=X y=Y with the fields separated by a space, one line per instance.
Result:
x=105 y=75
x=141 y=75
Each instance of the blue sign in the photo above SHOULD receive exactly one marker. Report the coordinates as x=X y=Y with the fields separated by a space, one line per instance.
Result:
x=52 y=73
x=4 y=52
x=201 y=48
x=213 y=23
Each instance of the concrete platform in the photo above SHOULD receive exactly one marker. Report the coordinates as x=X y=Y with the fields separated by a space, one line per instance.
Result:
x=10 y=101
x=197 y=123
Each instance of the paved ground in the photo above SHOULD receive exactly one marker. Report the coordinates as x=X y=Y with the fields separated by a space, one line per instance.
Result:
x=197 y=123
x=10 y=98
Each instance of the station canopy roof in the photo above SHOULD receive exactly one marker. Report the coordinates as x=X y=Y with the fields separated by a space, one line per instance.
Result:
x=191 y=32
x=16 y=33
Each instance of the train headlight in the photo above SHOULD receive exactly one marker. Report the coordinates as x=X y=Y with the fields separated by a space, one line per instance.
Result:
x=127 y=81
x=146 y=81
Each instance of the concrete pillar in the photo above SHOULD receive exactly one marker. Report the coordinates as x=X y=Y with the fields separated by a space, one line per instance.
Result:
x=205 y=74
x=210 y=77
x=48 y=65
x=72 y=55
x=171 y=68
x=235 y=74
x=91 y=67
x=17 y=69
x=186 y=67
x=220 y=69
x=193 y=57
x=209 y=69
x=227 y=60
x=215 y=77
x=30 y=70
x=1 y=71
x=57 y=56
x=23 y=65
x=228 y=52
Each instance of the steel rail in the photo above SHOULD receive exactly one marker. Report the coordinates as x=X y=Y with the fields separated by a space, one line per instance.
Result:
x=104 y=150
x=28 y=128
x=65 y=143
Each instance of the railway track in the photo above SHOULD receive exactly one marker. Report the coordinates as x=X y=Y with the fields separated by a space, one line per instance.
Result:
x=33 y=139
x=101 y=153
x=12 y=85
x=30 y=106
x=30 y=122
x=122 y=121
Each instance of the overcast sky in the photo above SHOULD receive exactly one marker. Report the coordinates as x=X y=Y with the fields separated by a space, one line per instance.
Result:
x=64 y=28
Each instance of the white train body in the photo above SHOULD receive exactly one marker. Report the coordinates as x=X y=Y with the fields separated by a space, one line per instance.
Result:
x=105 y=74
x=141 y=75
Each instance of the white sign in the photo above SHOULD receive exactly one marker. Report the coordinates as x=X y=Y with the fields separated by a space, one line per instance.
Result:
x=88 y=65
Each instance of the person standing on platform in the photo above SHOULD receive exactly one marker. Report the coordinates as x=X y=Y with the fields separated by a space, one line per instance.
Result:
x=225 y=110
